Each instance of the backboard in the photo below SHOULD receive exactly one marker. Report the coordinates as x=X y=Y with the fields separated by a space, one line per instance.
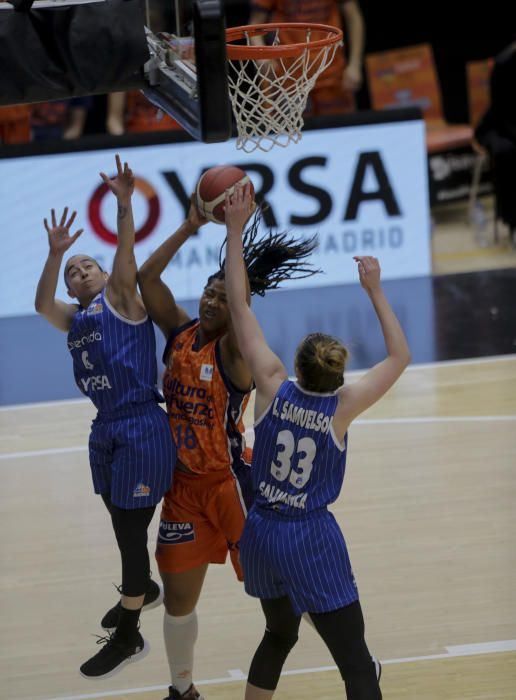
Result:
x=70 y=49
x=186 y=75
x=172 y=50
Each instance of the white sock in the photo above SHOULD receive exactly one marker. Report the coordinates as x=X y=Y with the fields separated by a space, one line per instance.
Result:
x=180 y=634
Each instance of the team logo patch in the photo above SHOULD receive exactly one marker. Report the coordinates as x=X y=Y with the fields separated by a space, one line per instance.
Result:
x=206 y=373
x=141 y=491
x=175 y=533
x=94 y=309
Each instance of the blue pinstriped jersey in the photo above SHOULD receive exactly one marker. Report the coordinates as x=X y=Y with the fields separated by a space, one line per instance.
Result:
x=298 y=465
x=114 y=359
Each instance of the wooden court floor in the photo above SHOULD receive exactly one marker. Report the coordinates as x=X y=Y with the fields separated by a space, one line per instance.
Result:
x=427 y=508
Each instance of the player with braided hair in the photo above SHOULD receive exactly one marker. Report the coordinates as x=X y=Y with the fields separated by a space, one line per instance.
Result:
x=272 y=259
x=206 y=386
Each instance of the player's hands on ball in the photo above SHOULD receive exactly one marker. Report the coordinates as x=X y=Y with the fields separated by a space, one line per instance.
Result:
x=195 y=219
x=59 y=236
x=122 y=185
x=368 y=272
x=238 y=207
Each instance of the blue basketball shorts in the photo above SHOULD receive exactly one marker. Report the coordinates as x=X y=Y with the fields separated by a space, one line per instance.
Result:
x=305 y=559
x=132 y=456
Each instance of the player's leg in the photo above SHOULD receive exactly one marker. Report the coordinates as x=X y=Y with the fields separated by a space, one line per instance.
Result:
x=130 y=527
x=152 y=599
x=281 y=630
x=263 y=580
x=214 y=532
x=126 y=643
x=324 y=582
x=343 y=633
x=180 y=628
x=141 y=454
x=377 y=664
x=187 y=543
x=153 y=594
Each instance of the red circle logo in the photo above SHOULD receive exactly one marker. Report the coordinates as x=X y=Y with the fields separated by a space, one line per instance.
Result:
x=107 y=234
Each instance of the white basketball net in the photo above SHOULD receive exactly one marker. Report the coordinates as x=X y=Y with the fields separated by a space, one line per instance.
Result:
x=268 y=97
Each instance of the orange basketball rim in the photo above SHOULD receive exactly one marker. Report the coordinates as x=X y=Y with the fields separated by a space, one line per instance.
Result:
x=270 y=75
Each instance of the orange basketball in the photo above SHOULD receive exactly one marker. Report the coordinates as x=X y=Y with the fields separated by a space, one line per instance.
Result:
x=211 y=190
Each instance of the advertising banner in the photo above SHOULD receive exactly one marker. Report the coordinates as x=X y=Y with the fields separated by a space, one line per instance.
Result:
x=362 y=189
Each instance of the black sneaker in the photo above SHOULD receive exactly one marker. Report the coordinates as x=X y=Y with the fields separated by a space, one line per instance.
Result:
x=191 y=694
x=153 y=598
x=114 y=655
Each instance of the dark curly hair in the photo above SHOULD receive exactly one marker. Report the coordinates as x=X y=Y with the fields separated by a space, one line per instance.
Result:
x=271 y=260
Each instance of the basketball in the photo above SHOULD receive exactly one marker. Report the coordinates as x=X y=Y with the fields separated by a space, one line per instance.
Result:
x=211 y=190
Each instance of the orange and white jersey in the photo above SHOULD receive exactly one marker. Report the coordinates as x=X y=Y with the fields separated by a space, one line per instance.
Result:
x=205 y=410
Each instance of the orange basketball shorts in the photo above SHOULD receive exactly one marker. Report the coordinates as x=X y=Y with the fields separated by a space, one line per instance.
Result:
x=202 y=519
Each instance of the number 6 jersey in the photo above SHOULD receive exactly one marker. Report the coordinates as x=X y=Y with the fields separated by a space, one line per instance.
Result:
x=298 y=464
x=114 y=358
x=205 y=410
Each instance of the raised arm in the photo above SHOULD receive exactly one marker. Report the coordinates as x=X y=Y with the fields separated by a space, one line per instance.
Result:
x=121 y=287
x=158 y=299
x=233 y=361
x=266 y=368
x=357 y=397
x=57 y=312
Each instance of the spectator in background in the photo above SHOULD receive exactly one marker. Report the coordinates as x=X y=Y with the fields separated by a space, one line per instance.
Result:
x=66 y=119
x=335 y=88
x=60 y=118
x=141 y=115
x=496 y=135
x=115 y=124
x=131 y=111
x=15 y=124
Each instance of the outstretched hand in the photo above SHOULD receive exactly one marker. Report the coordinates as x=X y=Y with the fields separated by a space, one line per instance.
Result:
x=59 y=237
x=122 y=185
x=368 y=272
x=239 y=206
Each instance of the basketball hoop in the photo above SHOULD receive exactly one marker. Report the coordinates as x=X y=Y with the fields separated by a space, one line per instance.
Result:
x=269 y=83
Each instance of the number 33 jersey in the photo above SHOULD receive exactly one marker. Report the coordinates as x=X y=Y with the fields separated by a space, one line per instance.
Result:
x=298 y=464
x=205 y=410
